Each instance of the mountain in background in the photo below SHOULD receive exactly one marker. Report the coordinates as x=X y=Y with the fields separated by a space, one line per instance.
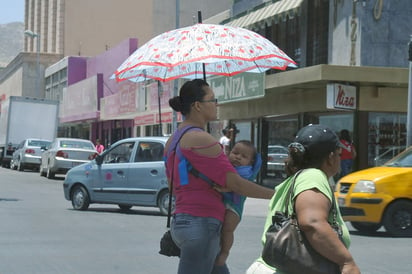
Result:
x=11 y=41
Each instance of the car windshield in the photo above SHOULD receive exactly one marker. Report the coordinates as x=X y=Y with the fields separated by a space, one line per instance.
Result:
x=76 y=144
x=38 y=143
x=402 y=160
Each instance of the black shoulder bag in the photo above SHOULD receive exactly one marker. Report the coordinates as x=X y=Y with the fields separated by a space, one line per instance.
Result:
x=287 y=249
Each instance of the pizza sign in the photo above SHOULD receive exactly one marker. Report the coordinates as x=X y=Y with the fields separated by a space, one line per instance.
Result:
x=340 y=96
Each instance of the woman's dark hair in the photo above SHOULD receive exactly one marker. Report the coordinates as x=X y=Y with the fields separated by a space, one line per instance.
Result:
x=298 y=160
x=190 y=92
x=344 y=134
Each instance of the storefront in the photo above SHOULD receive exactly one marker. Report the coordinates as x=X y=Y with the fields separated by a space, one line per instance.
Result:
x=373 y=109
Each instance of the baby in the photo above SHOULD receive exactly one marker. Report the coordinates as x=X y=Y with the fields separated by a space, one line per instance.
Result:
x=247 y=162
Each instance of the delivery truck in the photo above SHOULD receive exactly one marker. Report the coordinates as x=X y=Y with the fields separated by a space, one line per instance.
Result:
x=25 y=117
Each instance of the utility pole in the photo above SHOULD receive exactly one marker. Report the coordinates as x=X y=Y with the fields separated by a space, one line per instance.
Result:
x=409 y=115
x=33 y=35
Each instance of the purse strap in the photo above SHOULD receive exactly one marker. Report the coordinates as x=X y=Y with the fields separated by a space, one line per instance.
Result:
x=290 y=197
x=174 y=143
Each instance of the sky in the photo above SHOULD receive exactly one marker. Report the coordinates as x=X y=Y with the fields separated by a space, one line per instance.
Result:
x=11 y=11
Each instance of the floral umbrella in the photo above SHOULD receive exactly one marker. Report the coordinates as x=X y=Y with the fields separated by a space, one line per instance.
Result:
x=202 y=49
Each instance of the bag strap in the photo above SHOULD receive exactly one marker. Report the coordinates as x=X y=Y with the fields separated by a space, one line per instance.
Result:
x=173 y=145
x=290 y=197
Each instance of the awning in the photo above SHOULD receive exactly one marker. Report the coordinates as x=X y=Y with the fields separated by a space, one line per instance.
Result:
x=280 y=10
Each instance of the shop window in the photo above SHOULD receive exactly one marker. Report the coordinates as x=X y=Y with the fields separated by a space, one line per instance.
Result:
x=148 y=131
x=317 y=34
x=386 y=136
x=280 y=133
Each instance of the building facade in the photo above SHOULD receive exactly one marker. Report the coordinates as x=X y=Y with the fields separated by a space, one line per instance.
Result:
x=351 y=46
x=352 y=71
x=337 y=58
x=88 y=28
x=76 y=28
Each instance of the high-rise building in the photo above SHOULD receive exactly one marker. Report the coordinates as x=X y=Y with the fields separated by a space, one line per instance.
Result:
x=89 y=27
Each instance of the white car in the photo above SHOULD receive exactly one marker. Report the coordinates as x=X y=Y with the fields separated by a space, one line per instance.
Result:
x=63 y=154
x=28 y=154
x=276 y=160
x=130 y=173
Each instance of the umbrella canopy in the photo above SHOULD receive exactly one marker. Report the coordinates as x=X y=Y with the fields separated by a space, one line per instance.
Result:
x=213 y=49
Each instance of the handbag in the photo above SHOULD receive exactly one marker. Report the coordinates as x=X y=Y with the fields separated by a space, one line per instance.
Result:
x=287 y=249
x=168 y=246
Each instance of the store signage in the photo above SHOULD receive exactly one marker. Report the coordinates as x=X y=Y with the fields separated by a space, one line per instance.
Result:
x=80 y=101
x=167 y=117
x=164 y=90
x=144 y=120
x=242 y=86
x=340 y=96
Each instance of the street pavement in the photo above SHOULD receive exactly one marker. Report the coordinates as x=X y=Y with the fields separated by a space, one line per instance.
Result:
x=40 y=233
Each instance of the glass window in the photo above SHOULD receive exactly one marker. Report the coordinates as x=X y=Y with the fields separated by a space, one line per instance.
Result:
x=38 y=143
x=76 y=144
x=318 y=22
x=281 y=131
x=119 y=154
x=149 y=152
x=337 y=122
x=386 y=136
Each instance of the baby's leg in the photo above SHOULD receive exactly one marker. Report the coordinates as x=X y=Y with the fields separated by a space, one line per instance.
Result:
x=229 y=225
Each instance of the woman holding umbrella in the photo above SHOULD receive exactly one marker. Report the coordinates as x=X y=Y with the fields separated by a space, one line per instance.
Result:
x=199 y=211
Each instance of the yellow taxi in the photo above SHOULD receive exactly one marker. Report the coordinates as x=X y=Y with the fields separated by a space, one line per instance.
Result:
x=379 y=196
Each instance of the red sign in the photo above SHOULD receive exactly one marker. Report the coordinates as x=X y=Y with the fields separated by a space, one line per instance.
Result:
x=341 y=96
x=144 y=120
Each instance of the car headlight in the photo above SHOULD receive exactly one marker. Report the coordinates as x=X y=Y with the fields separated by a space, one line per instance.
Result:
x=364 y=186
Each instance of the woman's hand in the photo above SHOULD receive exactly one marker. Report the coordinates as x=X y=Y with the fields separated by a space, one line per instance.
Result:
x=221 y=188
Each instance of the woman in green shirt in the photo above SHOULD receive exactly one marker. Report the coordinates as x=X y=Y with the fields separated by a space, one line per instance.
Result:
x=316 y=151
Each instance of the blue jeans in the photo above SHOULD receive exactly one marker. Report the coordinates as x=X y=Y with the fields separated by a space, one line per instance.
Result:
x=199 y=242
x=345 y=167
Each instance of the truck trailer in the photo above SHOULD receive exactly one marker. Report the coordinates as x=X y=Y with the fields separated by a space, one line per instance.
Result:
x=25 y=117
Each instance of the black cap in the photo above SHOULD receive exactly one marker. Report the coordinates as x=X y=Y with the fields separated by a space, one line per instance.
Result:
x=318 y=139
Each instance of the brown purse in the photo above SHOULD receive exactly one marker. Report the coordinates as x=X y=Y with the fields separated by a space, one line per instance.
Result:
x=287 y=249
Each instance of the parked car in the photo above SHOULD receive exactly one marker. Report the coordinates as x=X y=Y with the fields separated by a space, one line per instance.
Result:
x=28 y=154
x=130 y=173
x=276 y=160
x=63 y=154
x=379 y=196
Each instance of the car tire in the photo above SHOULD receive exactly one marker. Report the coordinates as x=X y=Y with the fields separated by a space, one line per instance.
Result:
x=397 y=219
x=366 y=227
x=124 y=207
x=80 y=198
x=50 y=174
x=163 y=202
